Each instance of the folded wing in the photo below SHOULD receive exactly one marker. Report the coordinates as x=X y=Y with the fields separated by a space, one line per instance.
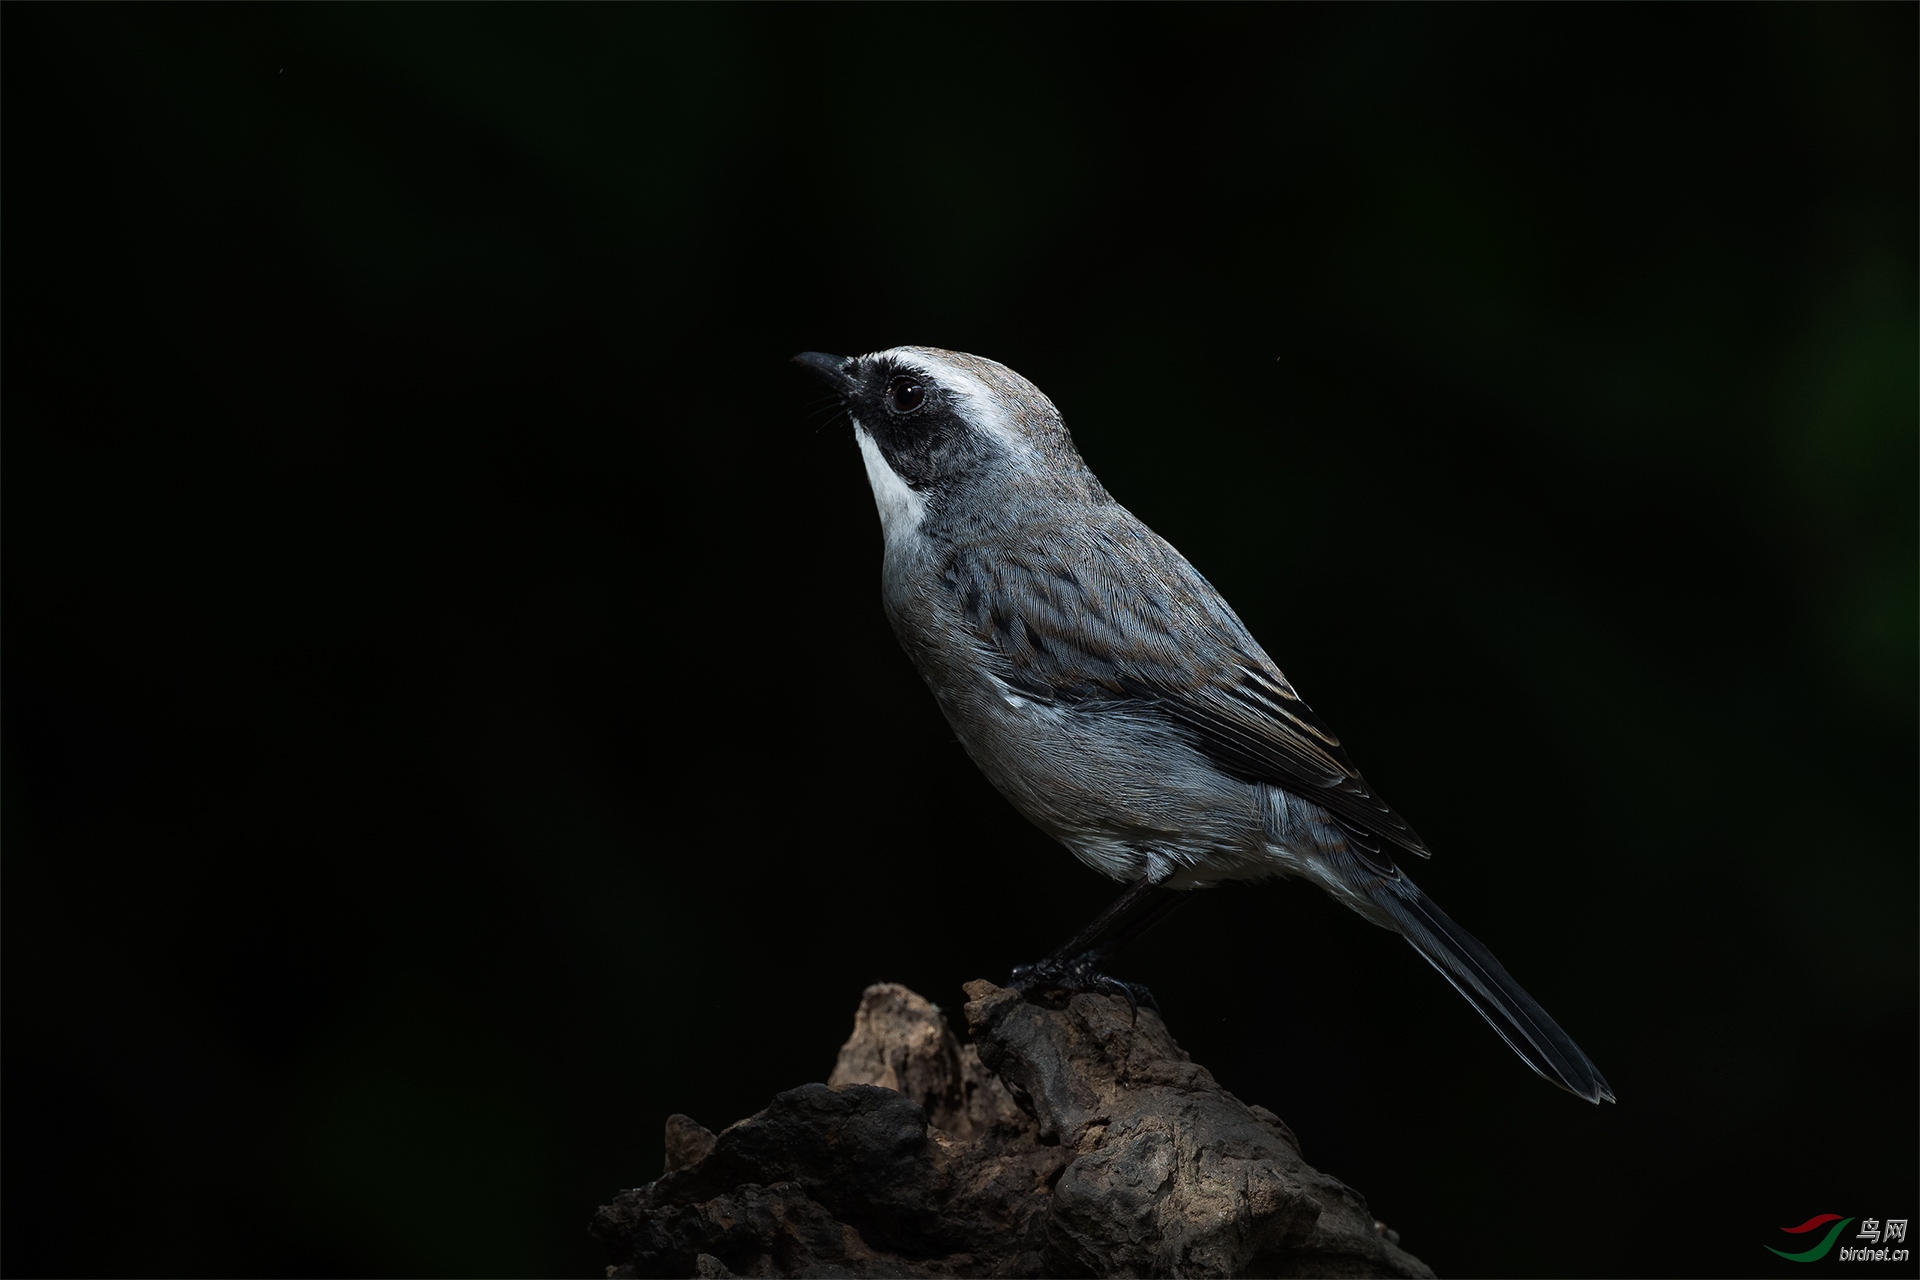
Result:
x=1106 y=611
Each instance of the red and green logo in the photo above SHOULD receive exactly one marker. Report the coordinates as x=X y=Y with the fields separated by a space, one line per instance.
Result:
x=1814 y=1223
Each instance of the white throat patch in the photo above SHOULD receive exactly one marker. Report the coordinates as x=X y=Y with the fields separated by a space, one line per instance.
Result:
x=901 y=509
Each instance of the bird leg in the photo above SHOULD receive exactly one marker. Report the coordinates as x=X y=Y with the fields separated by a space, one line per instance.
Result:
x=1076 y=965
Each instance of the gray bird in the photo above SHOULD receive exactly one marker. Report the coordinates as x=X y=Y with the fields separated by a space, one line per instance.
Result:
x=1112 y=696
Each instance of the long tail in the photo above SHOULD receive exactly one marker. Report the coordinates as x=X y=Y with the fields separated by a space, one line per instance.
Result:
x=1475 y=974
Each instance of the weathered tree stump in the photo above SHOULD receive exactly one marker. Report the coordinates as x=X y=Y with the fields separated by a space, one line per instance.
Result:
x=1072 y=1141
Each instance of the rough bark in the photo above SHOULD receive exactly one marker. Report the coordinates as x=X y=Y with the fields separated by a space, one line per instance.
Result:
x=1073 y=1141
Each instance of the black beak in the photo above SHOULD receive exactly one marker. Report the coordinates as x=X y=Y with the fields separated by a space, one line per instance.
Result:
x=831 y=370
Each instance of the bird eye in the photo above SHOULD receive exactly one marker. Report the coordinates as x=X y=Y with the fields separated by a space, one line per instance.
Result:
x=904 y=394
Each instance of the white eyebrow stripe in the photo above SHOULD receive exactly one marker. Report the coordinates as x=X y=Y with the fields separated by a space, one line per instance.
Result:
x=985 y=409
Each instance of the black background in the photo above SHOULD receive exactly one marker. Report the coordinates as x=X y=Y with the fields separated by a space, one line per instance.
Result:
x=449 y=721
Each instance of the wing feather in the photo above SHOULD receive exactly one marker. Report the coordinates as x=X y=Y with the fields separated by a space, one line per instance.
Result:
x=1105 y=611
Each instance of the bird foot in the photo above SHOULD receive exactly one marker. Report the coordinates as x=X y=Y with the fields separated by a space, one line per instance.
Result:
x=1053 y=977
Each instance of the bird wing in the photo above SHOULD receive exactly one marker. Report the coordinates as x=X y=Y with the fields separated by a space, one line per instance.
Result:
x=1103 y=610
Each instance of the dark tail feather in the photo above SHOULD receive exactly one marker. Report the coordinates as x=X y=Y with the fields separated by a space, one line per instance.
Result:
x=1475 y=974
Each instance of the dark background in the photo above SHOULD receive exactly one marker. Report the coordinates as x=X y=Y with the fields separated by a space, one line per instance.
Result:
x=449 y=721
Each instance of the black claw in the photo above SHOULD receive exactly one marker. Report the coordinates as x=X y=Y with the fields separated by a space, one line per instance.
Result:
x=1125 y=989
x=1080 y=974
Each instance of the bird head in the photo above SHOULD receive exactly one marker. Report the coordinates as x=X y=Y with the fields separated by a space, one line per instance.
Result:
x=942 y=428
